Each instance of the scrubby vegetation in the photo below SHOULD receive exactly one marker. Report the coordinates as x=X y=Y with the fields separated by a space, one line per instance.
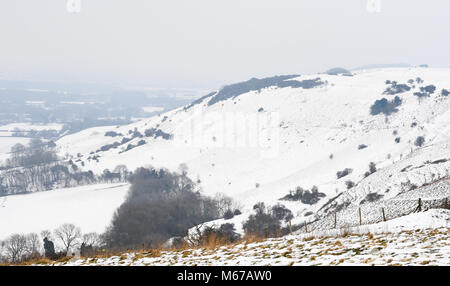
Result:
x=426 y=91
x=386 y=107
x=160 y=205
x=362 y=146
x=155 y=133
x=309 y=197
x=343 y=173
x=372 y=169
x=255 y=84
x=395 y=88
x=371 y=197
x=419 y=141
x=349 y=184
x=263 y=223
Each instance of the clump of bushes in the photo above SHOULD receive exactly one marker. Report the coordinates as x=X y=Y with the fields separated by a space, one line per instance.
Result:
x=343 y=173
x=384 y=106
x=426 y=91
x=396 y=88
x=155 y=133
x=280 y=212
x=212 y=236
x=372 y=169
x=309 y=197
x=263 y=223
x=371 y=197
x=160 y=205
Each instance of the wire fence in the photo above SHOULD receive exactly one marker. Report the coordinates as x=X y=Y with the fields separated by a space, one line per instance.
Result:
x=371 y=213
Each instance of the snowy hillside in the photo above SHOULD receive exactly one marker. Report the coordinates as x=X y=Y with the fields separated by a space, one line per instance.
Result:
x=419 y=239
x=258 y=140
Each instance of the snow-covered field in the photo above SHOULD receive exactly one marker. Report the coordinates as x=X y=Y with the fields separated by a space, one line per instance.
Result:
x=89 y=207
x=419 y=239
x=29 y=126
x=261 y=144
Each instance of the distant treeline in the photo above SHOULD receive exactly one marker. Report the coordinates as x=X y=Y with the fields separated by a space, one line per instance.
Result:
x=37 y=167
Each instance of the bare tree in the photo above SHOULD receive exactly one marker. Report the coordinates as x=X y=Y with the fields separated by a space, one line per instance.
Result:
x=92 y=239
x=68 y=234
x=46 y=234
x=123 y=171
x=33 y=245
x=226 y=203
x=15 y=247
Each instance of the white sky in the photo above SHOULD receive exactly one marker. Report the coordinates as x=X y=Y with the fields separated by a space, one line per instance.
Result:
x=208 y=43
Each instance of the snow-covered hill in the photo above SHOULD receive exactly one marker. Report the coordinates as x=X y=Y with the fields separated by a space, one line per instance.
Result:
x=257 y=140
x=418 y=239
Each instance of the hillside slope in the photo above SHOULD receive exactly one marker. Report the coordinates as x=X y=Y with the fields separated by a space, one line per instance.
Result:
x=257 y=140
x=412 y=240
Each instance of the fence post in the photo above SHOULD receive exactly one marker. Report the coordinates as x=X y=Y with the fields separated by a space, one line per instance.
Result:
x=290 y=226
x=384 y=216
x=306 y=226
x=335 y=220
x=419 y=208
x=446 y=203
x=360 y=218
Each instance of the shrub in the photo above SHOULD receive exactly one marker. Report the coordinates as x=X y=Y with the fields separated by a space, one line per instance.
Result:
x=395 y=88
x=155 y=133
x=426 y=91
x=229 y=214
x=362 y=146
x=305 y=196
x=372 y=169
x=349 y=184
x=419 y=141
x=371 y=197
x=343 y=173
x=280 y=212
x=211 y=235
x=262 y=224
x=385 y=106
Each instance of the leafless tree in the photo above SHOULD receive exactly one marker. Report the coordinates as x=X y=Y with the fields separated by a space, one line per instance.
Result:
x=15 y=247
x=46 y=234
x=92 y=239
x=68 y=234
x=33 y=244
x=226 y=203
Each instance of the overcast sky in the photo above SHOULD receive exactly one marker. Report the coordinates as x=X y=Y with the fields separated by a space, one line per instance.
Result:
x=208 y=43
